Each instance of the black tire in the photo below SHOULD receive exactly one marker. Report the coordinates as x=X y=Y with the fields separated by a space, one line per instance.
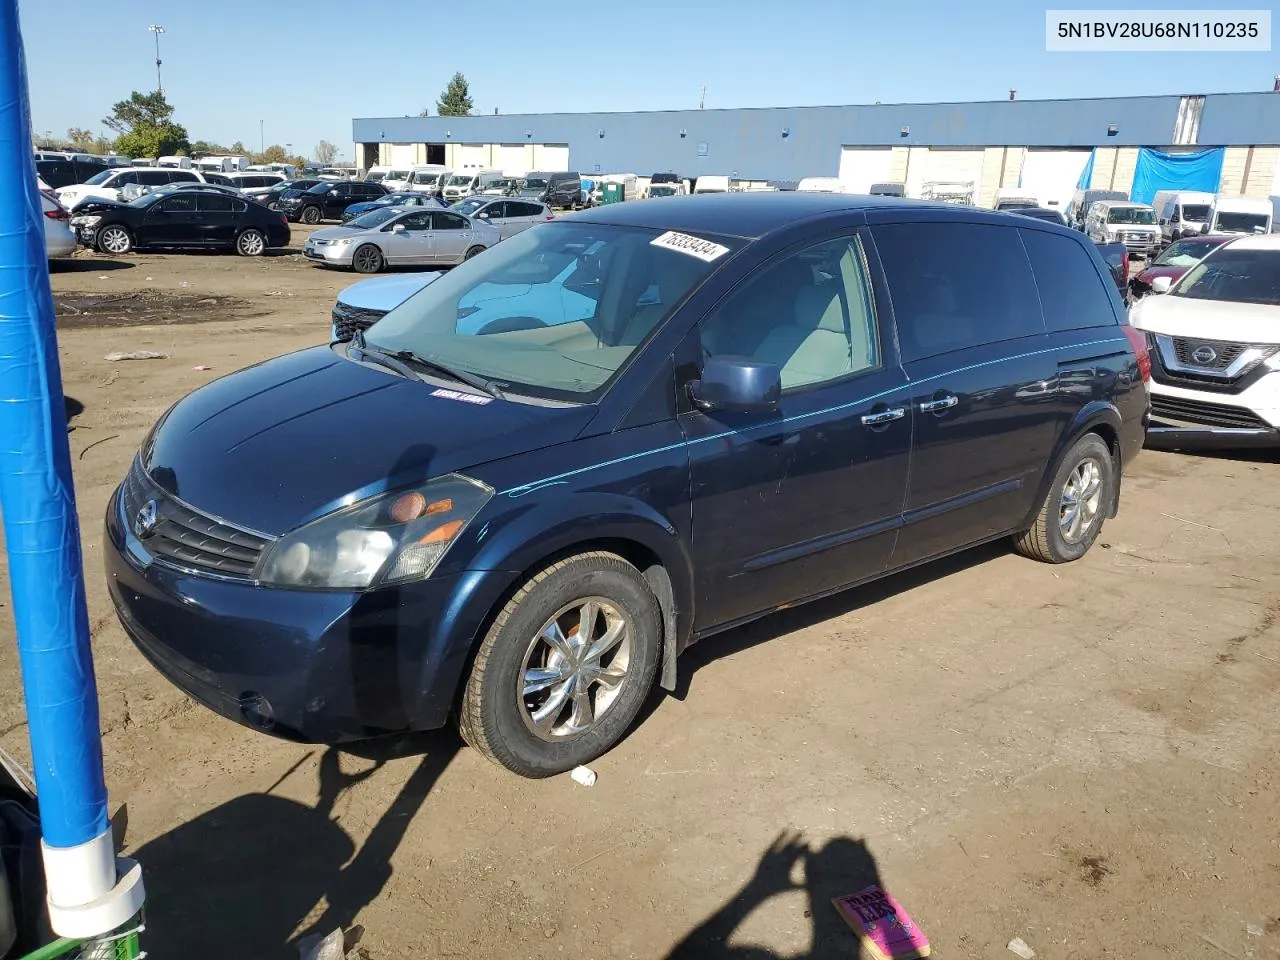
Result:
x=251 y=243
x=1046 y=539
x=474 y=252
x=310 y=215
x=367 y=259
x=500 y=724
x=109 y=233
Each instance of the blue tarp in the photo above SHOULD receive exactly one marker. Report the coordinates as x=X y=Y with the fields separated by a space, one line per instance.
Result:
x=1086 y=175
x=1157 y=170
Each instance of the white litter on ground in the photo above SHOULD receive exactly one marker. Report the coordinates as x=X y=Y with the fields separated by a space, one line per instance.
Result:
x=584 y=775
x=1019 y=946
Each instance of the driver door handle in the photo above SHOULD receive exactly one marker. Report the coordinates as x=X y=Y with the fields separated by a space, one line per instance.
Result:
x=941 y=403
x=883 y=416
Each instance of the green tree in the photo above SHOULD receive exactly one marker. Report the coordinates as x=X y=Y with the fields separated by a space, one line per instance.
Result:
x=237 y=148
x=140 y=110
x=273 y=154
x=456 y=99
x=326 y=152
x=160 y=140
x=203 y=148
x=80 y=138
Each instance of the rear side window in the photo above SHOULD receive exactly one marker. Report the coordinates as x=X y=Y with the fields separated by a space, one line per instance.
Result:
x=957 y=285
x=1072 y=292
x=182 y=176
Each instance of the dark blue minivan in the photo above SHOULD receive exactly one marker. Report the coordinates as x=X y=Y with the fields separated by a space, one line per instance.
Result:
x=520 y=495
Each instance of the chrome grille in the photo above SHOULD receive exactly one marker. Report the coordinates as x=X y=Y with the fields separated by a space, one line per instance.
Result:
x=347 y=320
x=1207 y=414
x=186 y=537
x=1224 y=353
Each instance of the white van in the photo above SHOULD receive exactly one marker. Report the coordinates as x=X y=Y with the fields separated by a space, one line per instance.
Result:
x=820 y=185
x=711 y=183
x=465 y=183
x=1181 y=213
x=214 y=165
x=181 y=163
x=428 y=178
x=1234 y=214
x=377 y=173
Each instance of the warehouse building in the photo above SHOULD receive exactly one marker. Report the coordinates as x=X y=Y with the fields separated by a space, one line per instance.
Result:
x=1040 y=146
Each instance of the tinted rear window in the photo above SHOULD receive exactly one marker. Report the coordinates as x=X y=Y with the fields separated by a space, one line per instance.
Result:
x=957 y=285
x=1072 y=292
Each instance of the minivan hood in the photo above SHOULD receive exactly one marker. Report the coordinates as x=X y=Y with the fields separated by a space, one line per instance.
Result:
x=291 y=439
x=1210 y=319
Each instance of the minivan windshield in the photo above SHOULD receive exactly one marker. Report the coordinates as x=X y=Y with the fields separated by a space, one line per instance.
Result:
x=1184 y=253
x=471 y=204
x=553 y=312
x=425 y=178
x=459 y=179
x=1243 y=222
x=1143 y=215
x=1236 y=274
x=98 y=178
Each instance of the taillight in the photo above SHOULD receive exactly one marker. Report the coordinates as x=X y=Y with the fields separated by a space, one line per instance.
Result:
x=1124 y=266
x=57 y=213
x=284 y=220
x=1138 y=340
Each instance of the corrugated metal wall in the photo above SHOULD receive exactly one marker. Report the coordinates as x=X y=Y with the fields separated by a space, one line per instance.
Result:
x=794 y=142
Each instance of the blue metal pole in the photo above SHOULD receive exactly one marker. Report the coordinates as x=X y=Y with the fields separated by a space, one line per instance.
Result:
x=43 y=538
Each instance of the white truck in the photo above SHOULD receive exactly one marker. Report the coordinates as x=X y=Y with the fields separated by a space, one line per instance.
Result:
x=820 y=185
x=711 y=183
x=1234 y=214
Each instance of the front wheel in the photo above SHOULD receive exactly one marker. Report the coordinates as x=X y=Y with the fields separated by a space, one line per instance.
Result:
x=474 y=252
x=367 y=259
x=565 y=668
x=114 y=239
x=310 y=215
x=251 y=243
x=1075 y=505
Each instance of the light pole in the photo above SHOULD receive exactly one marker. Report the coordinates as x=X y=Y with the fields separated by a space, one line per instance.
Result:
x=262 y=141
x=157 y=30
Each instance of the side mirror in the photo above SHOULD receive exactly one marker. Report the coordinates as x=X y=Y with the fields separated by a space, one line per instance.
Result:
x=1161 y=284
x=737 y=384
x=482 y=215
x=398 y=228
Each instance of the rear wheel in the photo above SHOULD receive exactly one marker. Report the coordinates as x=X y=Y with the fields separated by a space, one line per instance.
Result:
x=251 y=243
x=1075 y=505
x=474 y=252
x=565 y=667
x=114 y=239
x=367 y=259
x=310 y=215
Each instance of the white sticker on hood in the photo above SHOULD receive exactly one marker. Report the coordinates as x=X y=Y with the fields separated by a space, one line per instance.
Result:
x=693 y=246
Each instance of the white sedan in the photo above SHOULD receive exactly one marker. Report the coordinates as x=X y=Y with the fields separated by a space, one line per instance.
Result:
x=394 y=236
x=1214 y=337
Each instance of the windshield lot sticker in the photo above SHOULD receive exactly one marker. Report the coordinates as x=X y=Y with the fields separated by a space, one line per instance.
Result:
x=463 y=397
x=693 y=246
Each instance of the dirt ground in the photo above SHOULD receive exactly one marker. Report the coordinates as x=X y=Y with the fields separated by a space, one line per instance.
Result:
x=1085 y=756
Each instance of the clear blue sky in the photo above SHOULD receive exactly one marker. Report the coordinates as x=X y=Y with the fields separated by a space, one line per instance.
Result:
x=307 y=68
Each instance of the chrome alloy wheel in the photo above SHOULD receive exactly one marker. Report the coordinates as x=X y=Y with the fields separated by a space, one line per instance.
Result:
x=574 y=669
x=115 y=240
x=1081 y=500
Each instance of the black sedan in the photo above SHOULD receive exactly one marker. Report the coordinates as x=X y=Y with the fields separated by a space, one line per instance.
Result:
x=187 y=218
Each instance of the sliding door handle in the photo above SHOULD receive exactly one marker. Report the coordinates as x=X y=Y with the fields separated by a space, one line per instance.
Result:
x=881 y=417
x=939 y=403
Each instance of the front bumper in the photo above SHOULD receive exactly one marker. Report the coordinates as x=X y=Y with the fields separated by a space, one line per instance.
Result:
x=328 y=254
x=1186 y=418
x=314 y=666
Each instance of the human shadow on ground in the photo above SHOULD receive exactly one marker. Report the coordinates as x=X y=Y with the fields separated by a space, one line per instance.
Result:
x=841 y=866
x=245 y=875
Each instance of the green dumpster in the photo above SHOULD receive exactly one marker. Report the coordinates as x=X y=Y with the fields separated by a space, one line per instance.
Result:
x=612 y=193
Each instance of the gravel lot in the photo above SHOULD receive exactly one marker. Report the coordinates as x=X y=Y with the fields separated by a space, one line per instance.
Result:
x=1085 y=757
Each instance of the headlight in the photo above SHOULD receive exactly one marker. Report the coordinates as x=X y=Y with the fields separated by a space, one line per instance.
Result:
x=346 y=242
x=392 y=538
x=86 y=221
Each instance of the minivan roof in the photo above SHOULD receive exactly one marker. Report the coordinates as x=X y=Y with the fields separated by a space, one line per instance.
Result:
x=753 y=215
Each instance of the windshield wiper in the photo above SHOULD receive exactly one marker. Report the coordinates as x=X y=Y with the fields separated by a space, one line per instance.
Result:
x=462 y=376
x=380 y=357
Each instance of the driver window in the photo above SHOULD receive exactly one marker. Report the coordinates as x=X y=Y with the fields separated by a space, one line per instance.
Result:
x=494 y=210
x=415 y=221
x=810 y=313
x=180 y=203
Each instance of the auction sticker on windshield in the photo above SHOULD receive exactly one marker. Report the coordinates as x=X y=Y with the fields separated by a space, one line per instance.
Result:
x=693 y=246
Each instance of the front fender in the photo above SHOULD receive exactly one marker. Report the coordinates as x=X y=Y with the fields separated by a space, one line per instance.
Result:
x=522 y=540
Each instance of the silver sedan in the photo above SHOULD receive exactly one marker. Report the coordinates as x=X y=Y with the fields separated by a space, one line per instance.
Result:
x=394 y=237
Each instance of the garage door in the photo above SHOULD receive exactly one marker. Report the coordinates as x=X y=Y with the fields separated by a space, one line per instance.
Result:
x=953 y=166
x=473 y=156
x=860 y=167
x=551 y=156
x=1051 y=175
x=404 y=154
x=510 y=159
